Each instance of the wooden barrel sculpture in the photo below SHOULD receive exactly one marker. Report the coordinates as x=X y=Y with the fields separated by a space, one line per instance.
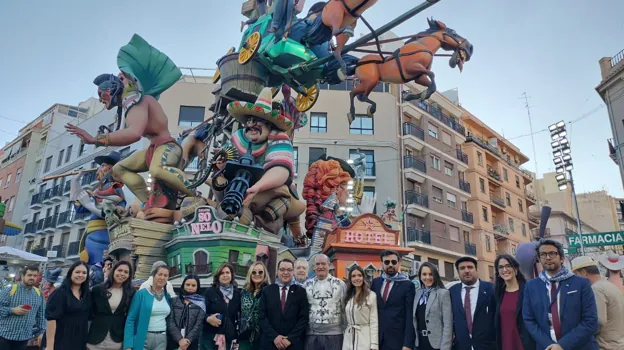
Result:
x=241 y=82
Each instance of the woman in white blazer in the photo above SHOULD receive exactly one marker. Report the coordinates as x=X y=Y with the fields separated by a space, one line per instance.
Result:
x=361 y=313
x=433 y=315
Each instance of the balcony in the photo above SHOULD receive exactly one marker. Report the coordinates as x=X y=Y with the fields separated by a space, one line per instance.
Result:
x=64 y=219
x=413 y=197
x=30 y=229
x=535 y=233
x=463 y=157
x=500 y=231
x=81 y=218
x=464 y=186
x=413 y=136
x=414 y=168
x=88 y=178
x=67 y=187
x=56 y=193
x=40 y=226
x=240 y=270
x=470 y=248
x=467 y=217
x=533 y=221
x=498 y=201
x=175 y=270
x=528 y=177
x=418 y=235
x=60 y=252
x=72 y=250
x=199 y=269
x=530 y=196
x=50 y=224
x=47 y=196
x=441 y=116
x=493 y=173
x=35 y=202
x=40 y=251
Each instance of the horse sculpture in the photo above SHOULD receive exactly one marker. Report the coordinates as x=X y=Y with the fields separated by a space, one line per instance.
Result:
x=412 y=62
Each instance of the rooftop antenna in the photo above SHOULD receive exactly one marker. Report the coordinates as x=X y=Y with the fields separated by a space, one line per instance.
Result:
x=537 y=186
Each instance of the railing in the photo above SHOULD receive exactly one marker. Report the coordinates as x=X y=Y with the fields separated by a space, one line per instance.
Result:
x=50 y=221
x=495 y=150
x=530 y=195
x=413 y=162
x=40 y=225
x=461 y=156
x=470 y=248
x=72 y=249
x=31 y=227
x=501 y=228
x=64 y=218
x=617 y=58
x=82 y=216
x=413 y=197
x=199 y=269
x=175 y=270
x=67 y=186
x=498 y=201
x=56 y=191
x=88 y=178
x=467 y=216
x=464 y=186
x=60 y=251
x=47 y=194
x=418 y=235
x=240 y=270
x=36 y=199
x=535 y=232
x=534 y=220
x=414 y=130
x=41 y=252
x=439 y=115
x=494 y=174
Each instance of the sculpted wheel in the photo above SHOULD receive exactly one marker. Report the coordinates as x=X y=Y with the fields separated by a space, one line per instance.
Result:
x=217 y=76
x=250 y=48
x=304 y=103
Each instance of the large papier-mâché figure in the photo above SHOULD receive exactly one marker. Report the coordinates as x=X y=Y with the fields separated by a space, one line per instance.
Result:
x=108 y=191
x=272 y=200
x=145 y=74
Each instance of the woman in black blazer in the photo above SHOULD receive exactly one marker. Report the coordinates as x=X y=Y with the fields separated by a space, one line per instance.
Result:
x=223 y=305
x=511 y=334
x=110 y=302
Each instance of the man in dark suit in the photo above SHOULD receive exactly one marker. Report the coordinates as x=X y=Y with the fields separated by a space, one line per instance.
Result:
x=559 y=308
x=395 y=302
x=474 y=307
x=283 y=311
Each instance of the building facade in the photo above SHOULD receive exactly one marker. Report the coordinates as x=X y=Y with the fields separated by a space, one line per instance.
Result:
x=499 y=199
x=611 y=90
x=619 y=203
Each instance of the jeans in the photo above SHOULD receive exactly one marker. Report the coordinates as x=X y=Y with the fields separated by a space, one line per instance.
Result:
x=300 y=29
x=261 y=7
x=282 y=15
x=155 y=341
x=6 y=344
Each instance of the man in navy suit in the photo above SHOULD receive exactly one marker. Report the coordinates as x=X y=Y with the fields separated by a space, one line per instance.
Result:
x=395 y=302
x=559 y=308
x=474 y=307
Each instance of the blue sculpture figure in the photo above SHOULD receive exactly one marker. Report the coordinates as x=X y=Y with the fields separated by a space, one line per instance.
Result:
x=109 y=190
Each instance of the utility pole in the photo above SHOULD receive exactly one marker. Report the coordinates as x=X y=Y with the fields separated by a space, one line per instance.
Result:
x=537 y=187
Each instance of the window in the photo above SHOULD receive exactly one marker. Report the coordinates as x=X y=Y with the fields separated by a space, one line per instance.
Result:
x=520 y=206
x=449 y=271
x=482 y=185
x=434 y=262
x=68 y=153
x=454 y=233
x=517 y=181
x=451 y=200
x=513 y=249
x=448 y=169
x=480 y=158
x=59 y=161
x=8 y=182
x=191 y=115
x=48 y=164
x=437 y=194
x=11 y=203
x=524 y=229
x=433 y=131
x=200 y=258
x=296 y=159
x=511 y=224
x=18 y=174
x=318 y=123
x=315 y=153
x=362 y=125
x=508 y=198
x=370 y=160
x=491 y=272
x=467 y=237
x=435 y=162
x=484 y=212
x=369 y=191
x=81 y=149
x=464 y=206
x=505 y=175
x=446 y=138
x=488 y=243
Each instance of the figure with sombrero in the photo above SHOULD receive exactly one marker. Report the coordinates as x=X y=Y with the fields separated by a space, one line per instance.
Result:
x=94 y=242
x=614 y=264
x=272 y=201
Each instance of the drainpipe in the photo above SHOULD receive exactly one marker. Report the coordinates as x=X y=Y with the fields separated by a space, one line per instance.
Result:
x=401 y=167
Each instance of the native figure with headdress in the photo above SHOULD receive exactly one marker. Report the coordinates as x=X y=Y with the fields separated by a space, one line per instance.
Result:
x=145 y=74
x=326 y=191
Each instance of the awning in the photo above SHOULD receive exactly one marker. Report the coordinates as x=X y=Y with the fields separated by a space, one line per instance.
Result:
x=15 y=256
x=11 y=229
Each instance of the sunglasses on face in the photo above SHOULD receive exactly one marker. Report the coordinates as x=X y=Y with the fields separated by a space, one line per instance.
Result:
x=259 y=273
x=390 y=262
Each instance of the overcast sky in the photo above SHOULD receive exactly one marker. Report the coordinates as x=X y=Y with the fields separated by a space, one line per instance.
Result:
x=50 y=51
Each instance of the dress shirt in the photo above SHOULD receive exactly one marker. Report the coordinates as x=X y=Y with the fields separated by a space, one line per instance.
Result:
x=474 y=295
x=383 y=286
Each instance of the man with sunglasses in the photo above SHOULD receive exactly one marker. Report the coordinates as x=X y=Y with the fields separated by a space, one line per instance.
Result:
x=395 y=302
x=559 y=308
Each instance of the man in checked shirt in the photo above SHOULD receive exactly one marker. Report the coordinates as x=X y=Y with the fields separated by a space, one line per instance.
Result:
x=22 y=312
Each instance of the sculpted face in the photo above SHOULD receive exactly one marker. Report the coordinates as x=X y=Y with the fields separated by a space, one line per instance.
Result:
x=342 y=193
x=256 y=130
x=105 y=98
x=103 y=169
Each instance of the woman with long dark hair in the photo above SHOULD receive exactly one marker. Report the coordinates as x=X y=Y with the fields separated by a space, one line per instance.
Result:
x=187 y=316
x=433 y=314
x=67 y=311
x=511 y=334
x=223 y=302
x=361 y=313
x=257 y=278
x=110 y=302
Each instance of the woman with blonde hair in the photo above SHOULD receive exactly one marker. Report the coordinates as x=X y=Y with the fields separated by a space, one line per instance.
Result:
x=361 y=313
x=249 y=332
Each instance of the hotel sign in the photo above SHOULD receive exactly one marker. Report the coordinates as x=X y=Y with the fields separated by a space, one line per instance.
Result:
x=596 y=239
x=369 y=230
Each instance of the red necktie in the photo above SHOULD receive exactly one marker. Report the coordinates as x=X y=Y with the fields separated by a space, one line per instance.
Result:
x=386 y=290
x=468 y=309
x=554 y=310
x=283 y=298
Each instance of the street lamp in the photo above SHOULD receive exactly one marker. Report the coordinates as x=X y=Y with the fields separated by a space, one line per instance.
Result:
x=562 y=158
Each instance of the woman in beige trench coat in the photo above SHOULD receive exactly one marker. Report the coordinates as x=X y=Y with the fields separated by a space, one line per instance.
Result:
x=360 y=313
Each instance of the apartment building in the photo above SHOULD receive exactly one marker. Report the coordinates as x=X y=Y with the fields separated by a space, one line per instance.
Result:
x=438 y=219
x=499 y=200
x=619 y=204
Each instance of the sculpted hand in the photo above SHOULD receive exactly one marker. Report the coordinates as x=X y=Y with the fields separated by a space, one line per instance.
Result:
x=81 y=133
x=368 y=204
x=251 y=193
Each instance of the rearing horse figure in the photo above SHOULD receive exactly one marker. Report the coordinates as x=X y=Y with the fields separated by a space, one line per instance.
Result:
x=412 y=62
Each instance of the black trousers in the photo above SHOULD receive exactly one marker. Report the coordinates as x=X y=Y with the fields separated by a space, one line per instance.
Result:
x=6 y=344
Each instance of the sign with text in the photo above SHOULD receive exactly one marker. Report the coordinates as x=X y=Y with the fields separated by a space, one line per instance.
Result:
x=205 y=222
x=368 y=230
x=596 y=239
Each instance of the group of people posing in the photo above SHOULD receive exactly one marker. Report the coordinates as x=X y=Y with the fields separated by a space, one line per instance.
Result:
x=558 y=310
